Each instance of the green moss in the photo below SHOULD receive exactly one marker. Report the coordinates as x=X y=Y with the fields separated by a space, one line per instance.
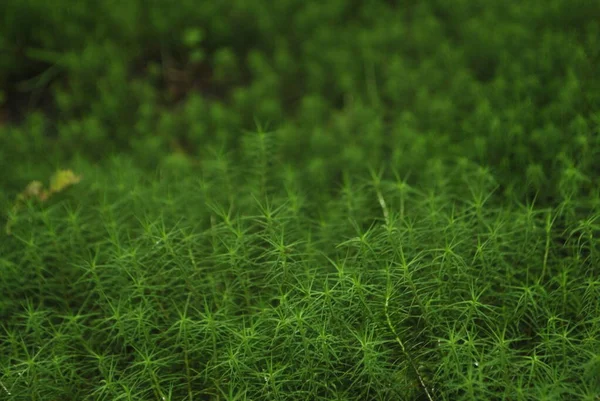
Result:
x=301 y=200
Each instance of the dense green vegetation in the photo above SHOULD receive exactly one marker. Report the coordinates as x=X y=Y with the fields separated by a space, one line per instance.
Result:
x=298 y=200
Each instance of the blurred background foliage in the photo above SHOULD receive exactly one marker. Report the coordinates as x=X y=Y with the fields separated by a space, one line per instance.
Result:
x=511 y=86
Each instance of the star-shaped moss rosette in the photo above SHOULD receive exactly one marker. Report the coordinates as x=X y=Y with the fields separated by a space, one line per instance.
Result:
x=60 y=180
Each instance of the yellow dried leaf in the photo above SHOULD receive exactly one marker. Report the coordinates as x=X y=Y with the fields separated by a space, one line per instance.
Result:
x=63 y=179
x=35 y=190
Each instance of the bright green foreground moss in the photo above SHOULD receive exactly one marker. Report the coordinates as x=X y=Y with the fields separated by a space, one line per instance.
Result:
x=160 y=286
x=353 y=202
